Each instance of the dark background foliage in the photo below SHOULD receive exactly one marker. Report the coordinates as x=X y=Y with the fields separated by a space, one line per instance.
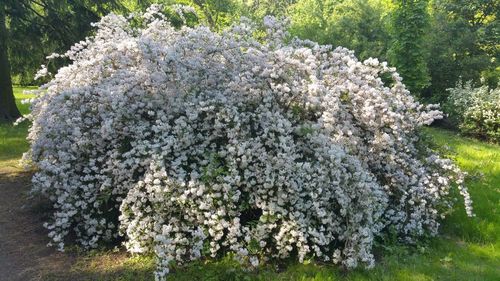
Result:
x=433 y=43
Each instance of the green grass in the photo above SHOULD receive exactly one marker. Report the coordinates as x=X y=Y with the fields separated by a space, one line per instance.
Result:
x=13 y=138
x=468 y=248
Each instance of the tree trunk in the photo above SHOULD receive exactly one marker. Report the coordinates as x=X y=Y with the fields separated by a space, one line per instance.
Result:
x=8 y=108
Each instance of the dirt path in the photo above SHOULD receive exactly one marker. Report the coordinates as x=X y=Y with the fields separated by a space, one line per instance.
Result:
x=23 y=251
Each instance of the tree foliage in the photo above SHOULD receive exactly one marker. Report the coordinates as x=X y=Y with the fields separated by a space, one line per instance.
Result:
x=359 y=25
x=433 y=43
x=463 y=44
x=410 y=24
x=44 y=27
x=40 y=28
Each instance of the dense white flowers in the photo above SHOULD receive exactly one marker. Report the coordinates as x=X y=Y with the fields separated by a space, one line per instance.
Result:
x=476 y=110
x=190 y=143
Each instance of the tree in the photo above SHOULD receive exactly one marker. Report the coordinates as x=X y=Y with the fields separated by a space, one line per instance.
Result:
x=256 y=10
x=41 y=27
x=8 y=108
x=410 y=24
x=463 y=45
x=358 y=25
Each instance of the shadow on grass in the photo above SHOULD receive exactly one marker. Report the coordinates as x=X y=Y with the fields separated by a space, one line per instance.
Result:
x=13 y=142
x=443 y=259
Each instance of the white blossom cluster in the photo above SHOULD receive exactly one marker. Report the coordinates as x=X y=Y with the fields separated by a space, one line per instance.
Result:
x=189 y=143
x=477 y=110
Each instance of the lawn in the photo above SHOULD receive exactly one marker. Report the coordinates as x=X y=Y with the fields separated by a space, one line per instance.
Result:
x=468 y=248
x=13 y=138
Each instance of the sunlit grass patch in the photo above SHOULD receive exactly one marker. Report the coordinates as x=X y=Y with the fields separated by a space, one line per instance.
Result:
x=13 y=141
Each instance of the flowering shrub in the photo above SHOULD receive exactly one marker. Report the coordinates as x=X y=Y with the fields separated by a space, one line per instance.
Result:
x=189 y=143
x=476 y=110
